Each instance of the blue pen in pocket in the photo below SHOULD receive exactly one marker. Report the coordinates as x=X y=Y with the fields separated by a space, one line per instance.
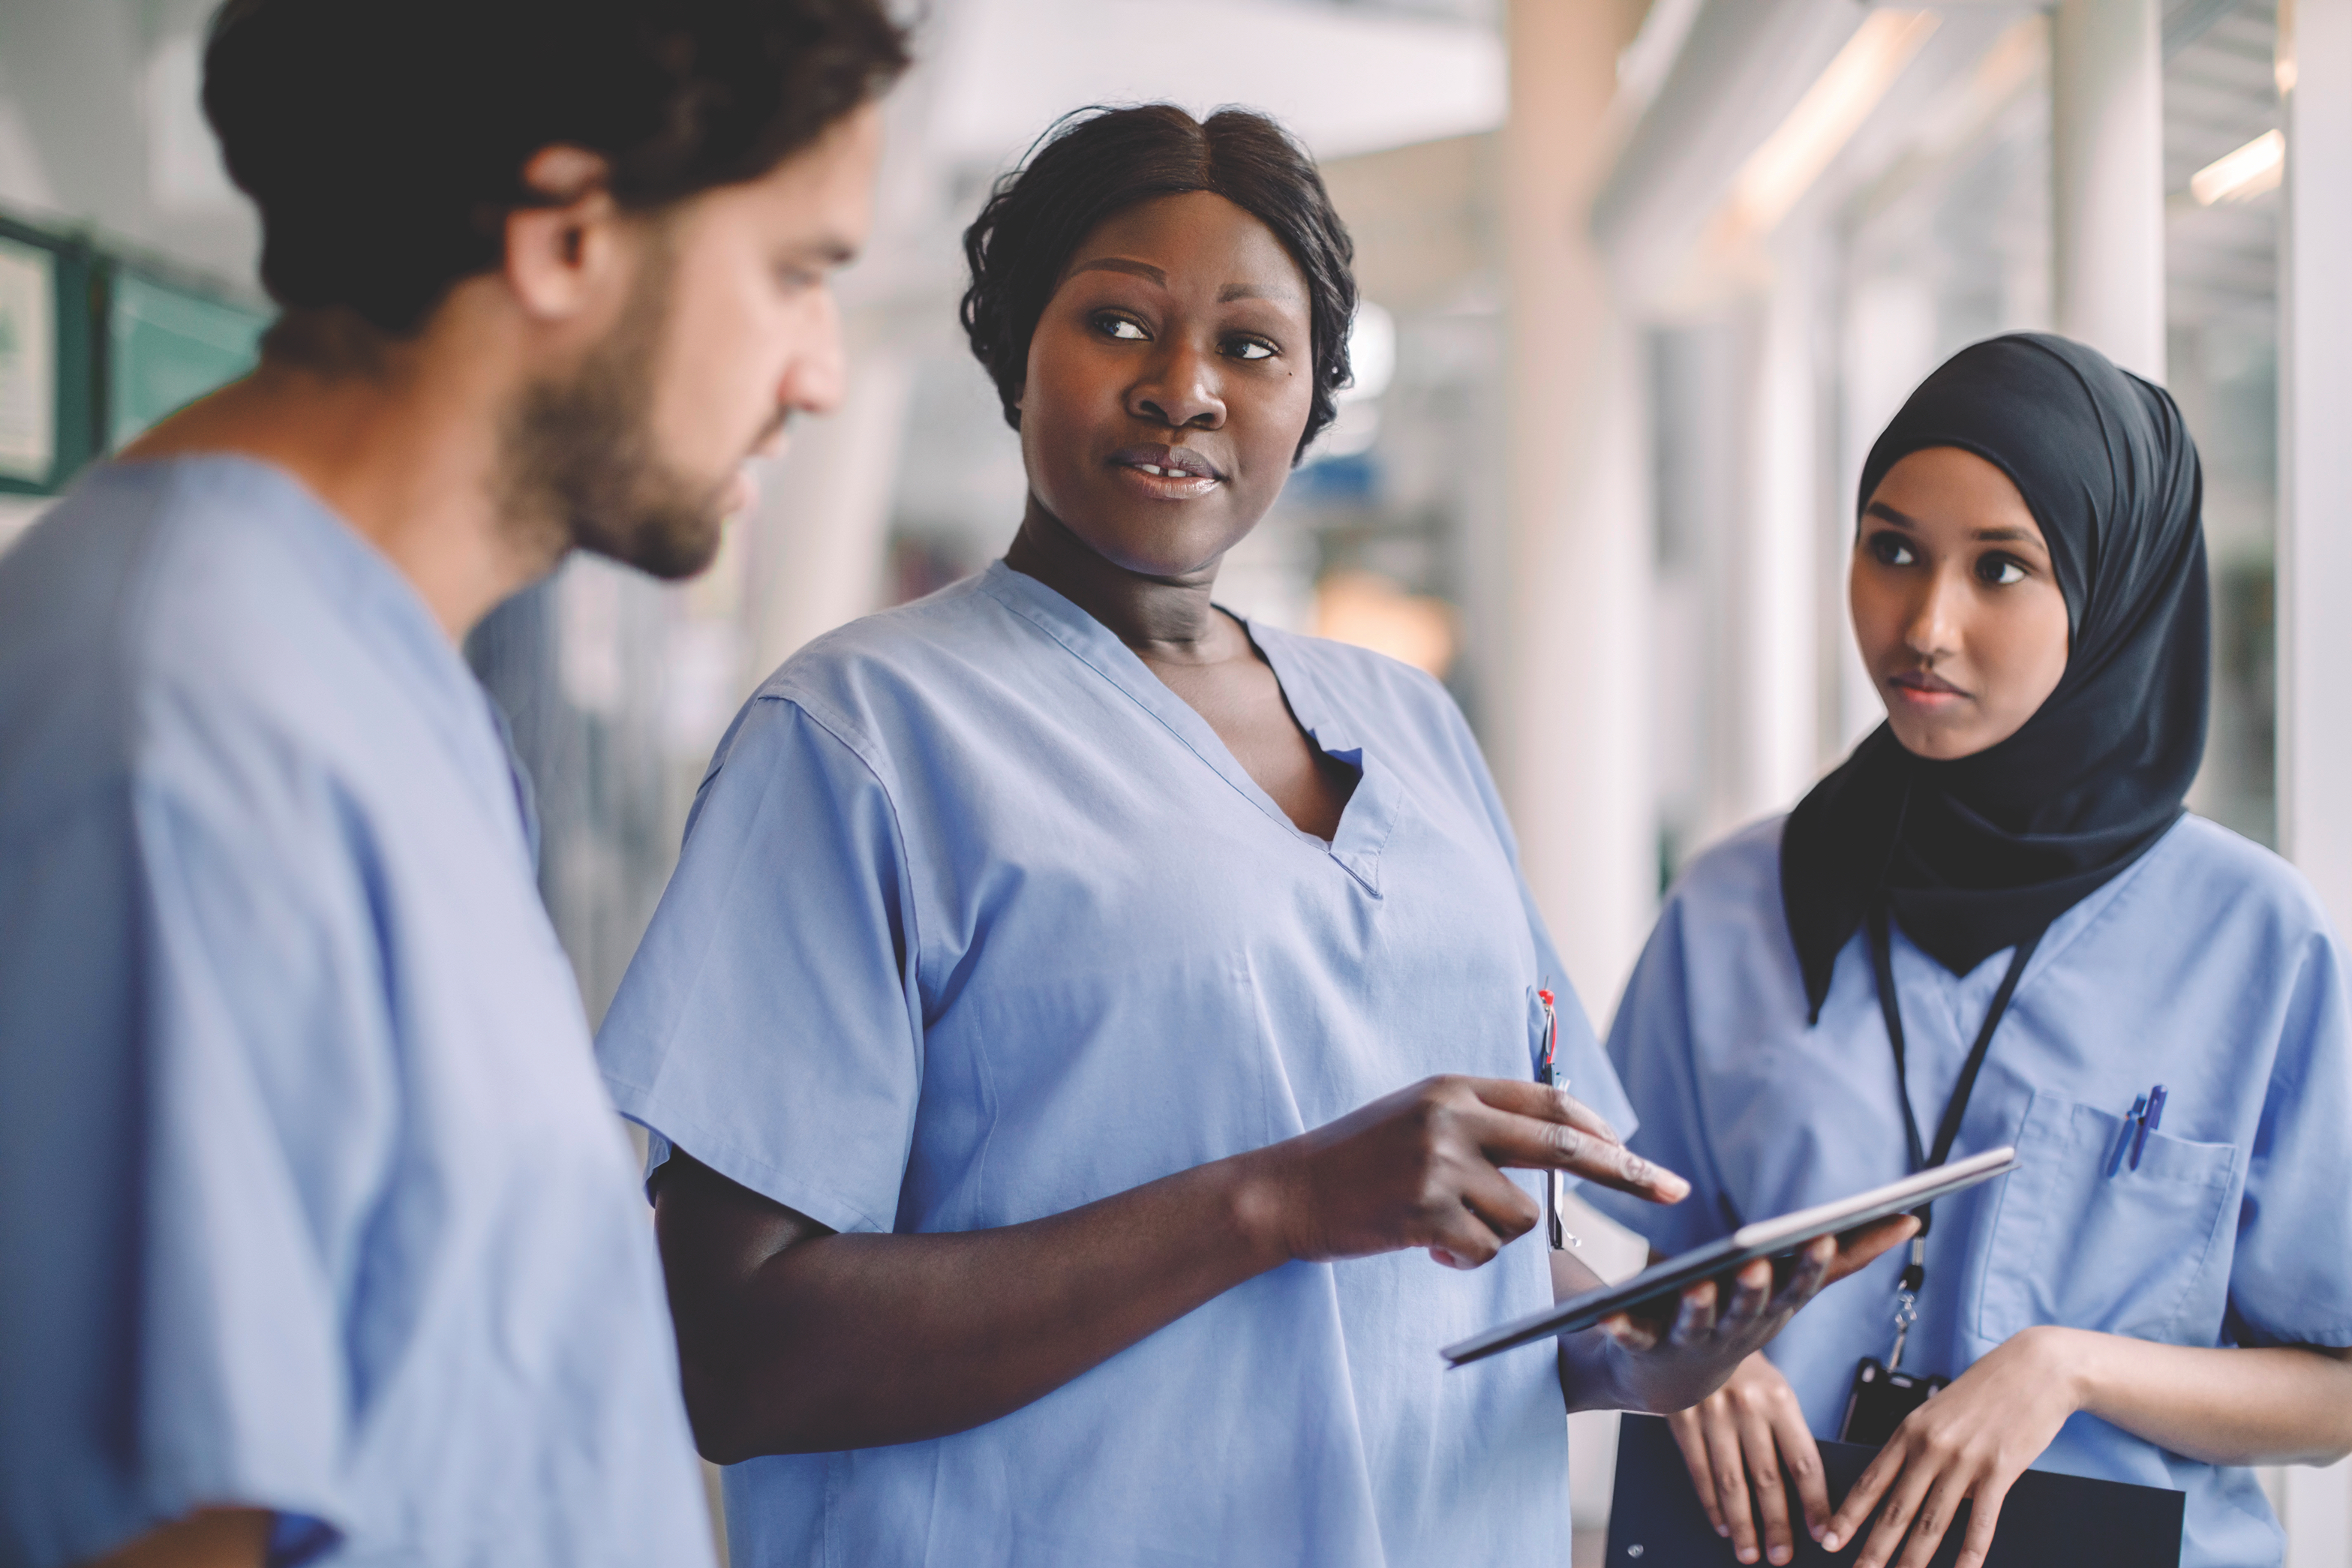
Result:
x=2148 y=1122
x=2147 y=1114
x=2124 y=1144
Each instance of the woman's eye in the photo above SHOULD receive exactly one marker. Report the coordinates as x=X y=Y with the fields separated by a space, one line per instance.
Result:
x=1121 y=328
x=2001 y=571
x=1891 y=550
x=1250 y=348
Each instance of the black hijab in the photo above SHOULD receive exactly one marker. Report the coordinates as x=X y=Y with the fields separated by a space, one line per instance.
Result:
x=1979 y=853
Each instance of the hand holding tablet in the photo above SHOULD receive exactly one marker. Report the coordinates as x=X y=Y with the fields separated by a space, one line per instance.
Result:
x=1780 y=1237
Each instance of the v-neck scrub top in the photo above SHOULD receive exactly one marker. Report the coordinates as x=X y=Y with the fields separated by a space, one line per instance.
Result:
x=2208 y=967
x=309 y=1198
x=977 y=921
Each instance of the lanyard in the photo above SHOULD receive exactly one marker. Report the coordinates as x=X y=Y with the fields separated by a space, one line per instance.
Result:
x=1947 y=1130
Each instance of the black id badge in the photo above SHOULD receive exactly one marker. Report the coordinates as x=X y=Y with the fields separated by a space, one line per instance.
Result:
x=1880 y=1399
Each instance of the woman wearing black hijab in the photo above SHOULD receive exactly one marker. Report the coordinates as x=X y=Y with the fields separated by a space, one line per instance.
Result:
x=1997 y=923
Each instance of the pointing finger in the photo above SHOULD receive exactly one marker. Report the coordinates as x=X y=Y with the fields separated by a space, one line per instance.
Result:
x=1540 y=1144
x=1545 y=1103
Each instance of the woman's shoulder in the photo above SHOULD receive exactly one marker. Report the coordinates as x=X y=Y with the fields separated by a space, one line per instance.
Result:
x=872 y=682
x=924 y=652
x=1740 y=872
x=2202 y=865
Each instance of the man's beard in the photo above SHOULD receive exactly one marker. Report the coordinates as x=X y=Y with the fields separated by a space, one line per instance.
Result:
x=578 y=466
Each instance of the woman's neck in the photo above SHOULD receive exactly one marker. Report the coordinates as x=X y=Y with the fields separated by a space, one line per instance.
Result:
x=1164 y=618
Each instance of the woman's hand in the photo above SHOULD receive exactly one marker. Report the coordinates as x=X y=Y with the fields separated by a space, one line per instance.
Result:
x=1424 y=1167
x=1747 y=1435
x=1970 y=1442
x=1639 y=1363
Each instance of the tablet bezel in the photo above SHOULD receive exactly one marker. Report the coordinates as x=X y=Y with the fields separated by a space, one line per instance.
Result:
x=1765 y=1239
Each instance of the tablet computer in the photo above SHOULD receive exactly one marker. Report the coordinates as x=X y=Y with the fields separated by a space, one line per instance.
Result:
x=1765 y=1239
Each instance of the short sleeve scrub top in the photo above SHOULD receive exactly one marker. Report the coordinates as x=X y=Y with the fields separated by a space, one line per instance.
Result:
x=2207 y=966
x=977 y=921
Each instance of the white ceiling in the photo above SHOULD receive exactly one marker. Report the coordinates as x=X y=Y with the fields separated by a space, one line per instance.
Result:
x=1347 y=80
x=99 y=122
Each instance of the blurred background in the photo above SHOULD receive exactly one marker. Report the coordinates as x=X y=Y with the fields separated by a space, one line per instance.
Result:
x=1642 y=281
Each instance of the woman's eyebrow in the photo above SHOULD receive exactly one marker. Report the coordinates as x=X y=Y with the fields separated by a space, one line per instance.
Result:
x=1254 y=291
x=1879 y=508
x=1143 y=269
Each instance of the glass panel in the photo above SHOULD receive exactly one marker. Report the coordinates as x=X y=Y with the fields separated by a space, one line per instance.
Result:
x=2222 y=295
x=166 y=348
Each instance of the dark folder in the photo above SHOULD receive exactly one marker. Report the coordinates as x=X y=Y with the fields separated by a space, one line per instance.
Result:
x=2062 y=1521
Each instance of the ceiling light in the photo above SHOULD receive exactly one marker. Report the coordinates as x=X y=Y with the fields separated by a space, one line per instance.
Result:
x=1778 y=172
x=2238 y=176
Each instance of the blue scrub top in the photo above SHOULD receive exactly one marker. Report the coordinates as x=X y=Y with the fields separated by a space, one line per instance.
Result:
x=977 y=921
x=309 y=1198
x=2207 y=966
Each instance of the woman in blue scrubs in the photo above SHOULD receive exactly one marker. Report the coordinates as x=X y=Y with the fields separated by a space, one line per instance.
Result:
x=1997 y=924
x=1077 y=1009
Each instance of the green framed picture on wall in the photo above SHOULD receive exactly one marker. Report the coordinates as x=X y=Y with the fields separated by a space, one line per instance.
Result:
x=28 y=361
x=49 y=426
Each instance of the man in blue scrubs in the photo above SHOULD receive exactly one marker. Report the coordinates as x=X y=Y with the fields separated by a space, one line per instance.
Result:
x=322 y=1243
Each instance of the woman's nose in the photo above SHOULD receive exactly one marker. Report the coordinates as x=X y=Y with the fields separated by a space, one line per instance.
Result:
x=1179 y=390
x=1931 y=631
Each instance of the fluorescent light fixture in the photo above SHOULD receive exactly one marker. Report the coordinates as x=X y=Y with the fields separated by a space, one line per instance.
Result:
x=1778 y=172
x=2242 y=175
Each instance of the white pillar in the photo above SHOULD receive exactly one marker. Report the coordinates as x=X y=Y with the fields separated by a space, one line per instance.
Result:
x=1570 y=731
x=2314 y=551
x=2314 y=528
x=1775 y=678
x=2108 y=186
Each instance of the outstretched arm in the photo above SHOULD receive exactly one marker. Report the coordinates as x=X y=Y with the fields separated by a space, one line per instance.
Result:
x=795 y=1339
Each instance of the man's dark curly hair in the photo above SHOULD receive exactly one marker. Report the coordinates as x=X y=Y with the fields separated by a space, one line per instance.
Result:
x=384 y=140
x=1097 y=163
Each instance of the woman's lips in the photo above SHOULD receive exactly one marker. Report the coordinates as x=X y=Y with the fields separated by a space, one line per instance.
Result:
x=1166 y=473
x=1925 y=689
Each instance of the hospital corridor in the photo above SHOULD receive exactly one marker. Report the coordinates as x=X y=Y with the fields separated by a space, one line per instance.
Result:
x=854 y=782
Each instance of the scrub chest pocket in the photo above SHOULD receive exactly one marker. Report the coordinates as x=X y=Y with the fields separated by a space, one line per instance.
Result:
x=2136 y=1253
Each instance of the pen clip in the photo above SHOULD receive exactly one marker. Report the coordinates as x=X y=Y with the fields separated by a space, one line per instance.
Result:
x=1551 y=1032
